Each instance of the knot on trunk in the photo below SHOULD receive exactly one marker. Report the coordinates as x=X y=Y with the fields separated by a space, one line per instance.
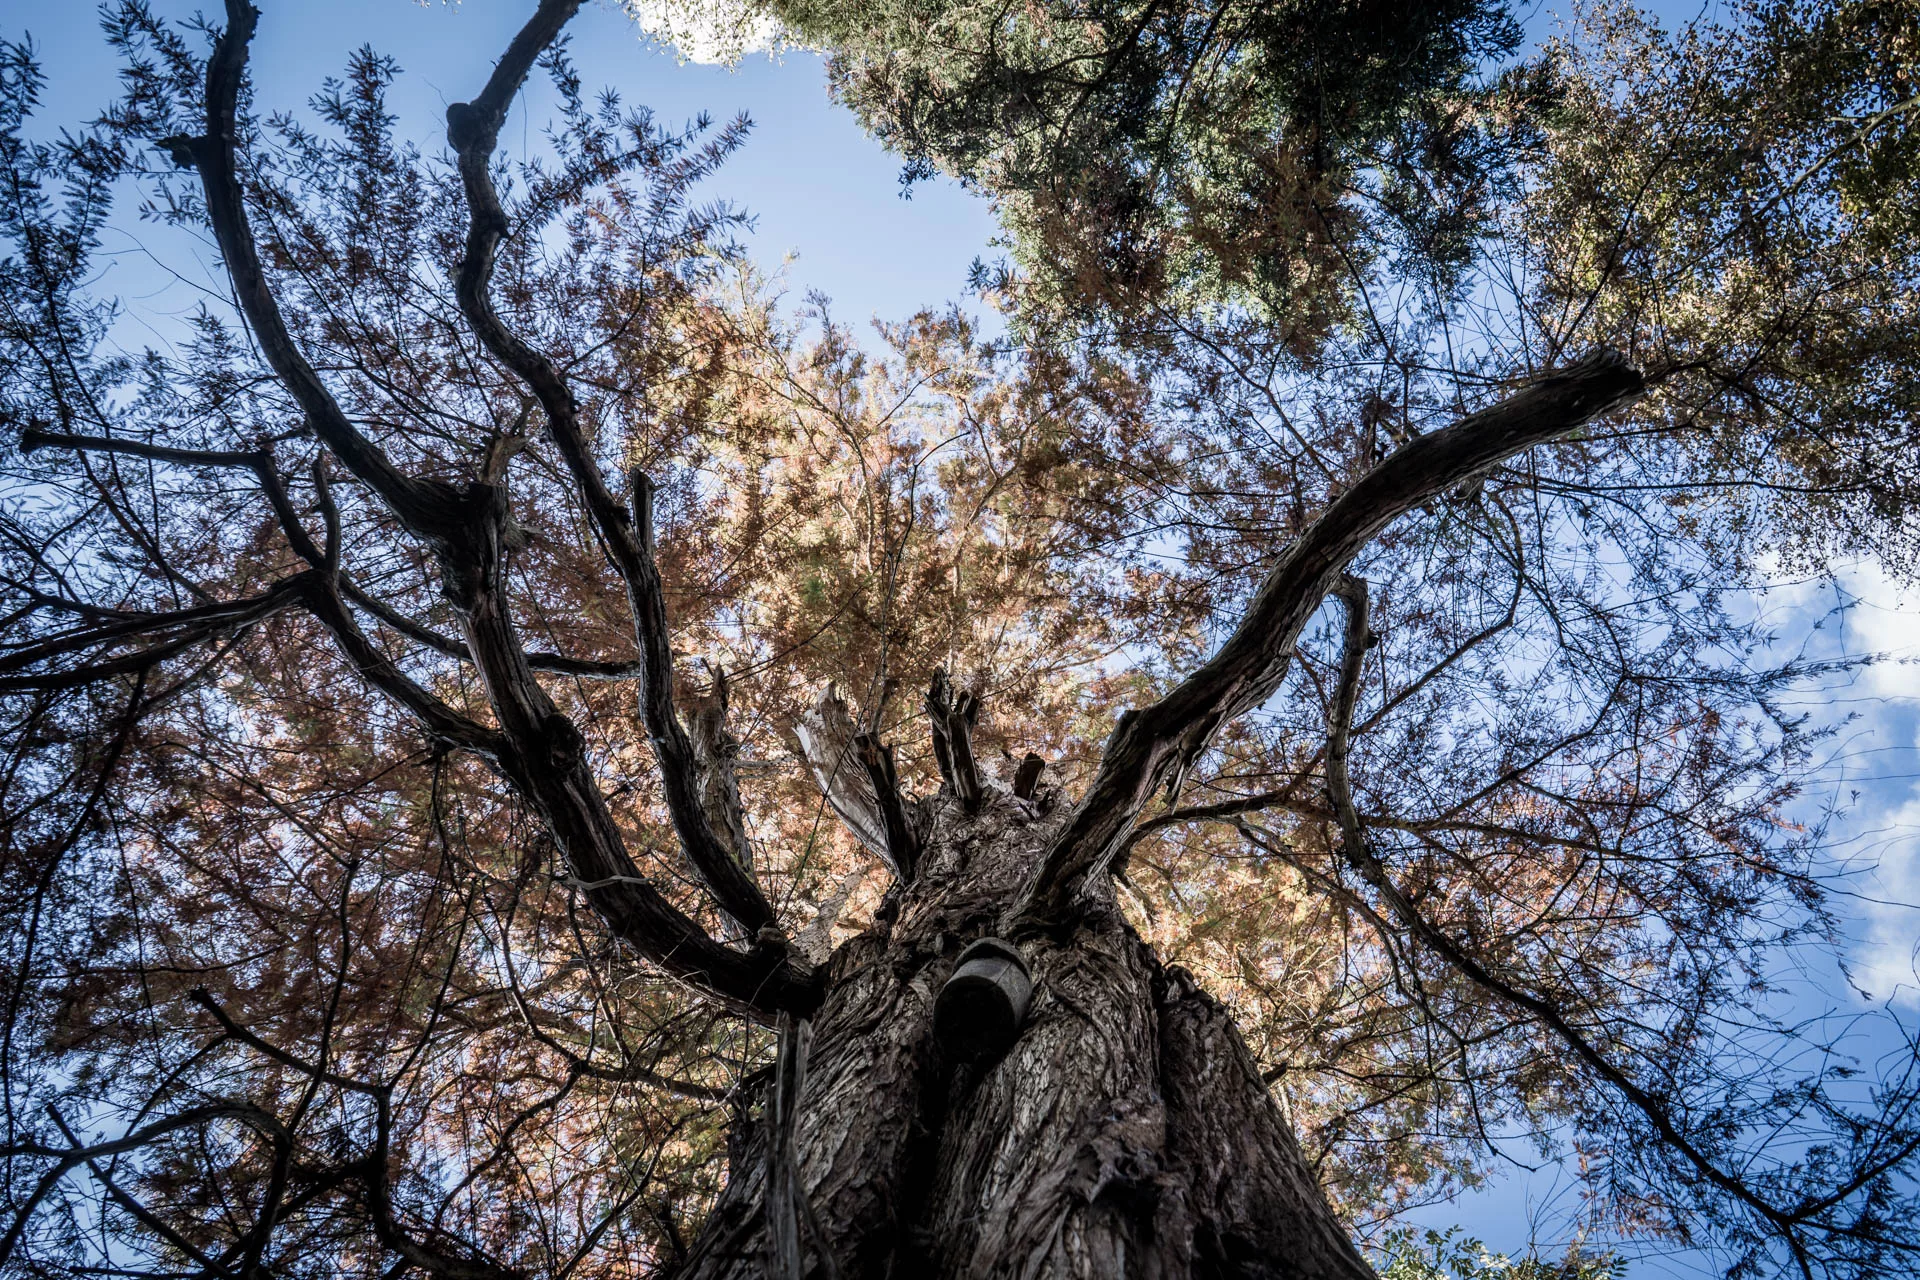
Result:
x=979 y=1011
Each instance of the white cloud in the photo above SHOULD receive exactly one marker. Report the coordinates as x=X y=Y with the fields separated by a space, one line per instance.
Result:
x=708 y=31
x=1879 y=836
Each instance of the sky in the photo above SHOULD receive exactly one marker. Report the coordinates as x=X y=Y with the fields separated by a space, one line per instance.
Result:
x=817 y=186
x=827 y=198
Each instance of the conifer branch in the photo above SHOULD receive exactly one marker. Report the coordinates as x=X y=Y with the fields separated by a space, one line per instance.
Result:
x=1151 y=747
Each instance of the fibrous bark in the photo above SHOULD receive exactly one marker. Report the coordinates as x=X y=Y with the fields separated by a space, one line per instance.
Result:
x=1126 y=1132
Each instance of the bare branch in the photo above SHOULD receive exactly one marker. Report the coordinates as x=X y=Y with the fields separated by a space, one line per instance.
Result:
x=1359 y=854
x=174 y=632
x=473 y=129
x=66 y=1160
x=1152 y=747
x=258 y=461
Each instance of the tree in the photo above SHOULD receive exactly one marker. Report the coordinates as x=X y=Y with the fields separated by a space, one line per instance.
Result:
x=1141 y=152
x=355 y=929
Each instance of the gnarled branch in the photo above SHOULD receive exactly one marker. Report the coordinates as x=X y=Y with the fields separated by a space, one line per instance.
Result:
x=903 y=843
x=473 y=129
x=1151 y=747
x=536 y=747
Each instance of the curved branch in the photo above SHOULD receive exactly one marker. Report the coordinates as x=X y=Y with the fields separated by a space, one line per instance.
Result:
x=430 y=509
x=537 y=748
x=258 y=461
x=70 y=1158
x=1152 y=747
x=176 y=631
x=473 y=129
x=555 y=663
x=1359 y=854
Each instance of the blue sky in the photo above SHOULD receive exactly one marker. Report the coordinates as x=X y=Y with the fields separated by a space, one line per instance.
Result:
x=819 y=188
x=816 y=184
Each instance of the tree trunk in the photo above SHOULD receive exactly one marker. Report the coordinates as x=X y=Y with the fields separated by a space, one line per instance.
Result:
x=1125 y=1133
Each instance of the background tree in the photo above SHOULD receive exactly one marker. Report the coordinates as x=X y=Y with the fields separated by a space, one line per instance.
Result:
x=1151 y=153
x=355 y=929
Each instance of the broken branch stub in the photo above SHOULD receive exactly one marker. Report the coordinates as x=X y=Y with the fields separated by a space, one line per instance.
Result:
x=954 y=717
x=825 y=735
x=1027 y=777
x=903 y=844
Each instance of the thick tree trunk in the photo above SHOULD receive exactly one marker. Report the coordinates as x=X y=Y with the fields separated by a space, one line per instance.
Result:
x=1126 y=1132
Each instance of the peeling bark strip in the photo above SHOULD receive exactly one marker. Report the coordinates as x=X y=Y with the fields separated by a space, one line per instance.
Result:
x=954 y=716
x=783 y=1190
x=825 y=736
x=716 y=754
x=1151 y=747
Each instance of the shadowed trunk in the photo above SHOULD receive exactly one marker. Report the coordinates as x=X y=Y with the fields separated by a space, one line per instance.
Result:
x=1126 y=1133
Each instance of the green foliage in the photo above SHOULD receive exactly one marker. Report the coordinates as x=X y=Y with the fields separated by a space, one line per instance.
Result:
x=1437 y=1255
x=1735 y=203
x=1151 y=152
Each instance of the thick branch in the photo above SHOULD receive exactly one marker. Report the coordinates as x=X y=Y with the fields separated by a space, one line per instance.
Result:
x=1149 y=748
x=473 y=129
x=536 y=747
x=543 y=756
x=258 y=461
x=546 y=761
x=174 y=632
x=427 y=508
x=377 y=669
